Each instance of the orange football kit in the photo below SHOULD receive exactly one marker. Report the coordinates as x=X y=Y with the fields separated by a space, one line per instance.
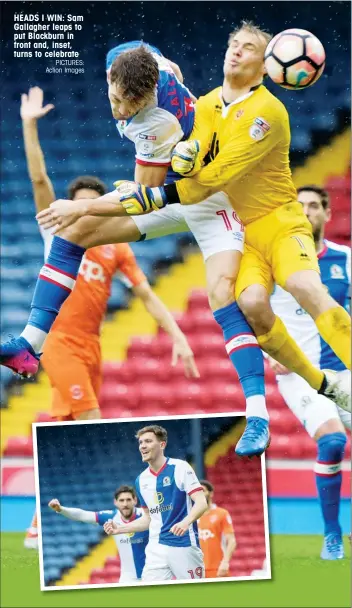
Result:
x=212 y=527
x=71 y=355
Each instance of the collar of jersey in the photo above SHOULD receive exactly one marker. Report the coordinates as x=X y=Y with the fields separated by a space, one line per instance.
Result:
x=226 y=108
x=160 y=470
x=323 y=251
x=121 y=129
x=126 y=521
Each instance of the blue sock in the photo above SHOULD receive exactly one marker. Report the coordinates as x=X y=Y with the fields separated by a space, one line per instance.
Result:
x=55 y=283
x=246 y=356
x=329 y=478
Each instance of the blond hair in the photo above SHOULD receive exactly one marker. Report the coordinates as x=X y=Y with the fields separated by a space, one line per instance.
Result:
x=252 y=28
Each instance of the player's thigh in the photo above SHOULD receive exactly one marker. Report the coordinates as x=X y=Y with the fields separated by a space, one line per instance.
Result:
x=169 y=220
x=156 y=568
x=69 y=375
x=186 y=563
x=311 y=409
x=254 y=270
x=93 y=231
x=293 y=253
x=215 y=225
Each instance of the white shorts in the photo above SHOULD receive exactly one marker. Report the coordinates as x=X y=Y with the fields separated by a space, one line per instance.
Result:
x=213 y=222
x=164 y=563
x=310 y=408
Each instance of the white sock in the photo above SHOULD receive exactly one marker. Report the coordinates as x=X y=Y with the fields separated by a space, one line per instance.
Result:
x=35 y=337
x=255 y=406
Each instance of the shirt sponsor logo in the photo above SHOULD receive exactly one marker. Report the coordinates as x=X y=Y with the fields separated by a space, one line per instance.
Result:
x=91 y=271
x=258 y=129
x=205 y=534
x=160 y=509
x=159 y=497
x=129 y=541
x=147 y=137
x=262 y=124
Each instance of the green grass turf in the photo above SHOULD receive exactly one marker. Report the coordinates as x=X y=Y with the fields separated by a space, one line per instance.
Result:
x=300 y=579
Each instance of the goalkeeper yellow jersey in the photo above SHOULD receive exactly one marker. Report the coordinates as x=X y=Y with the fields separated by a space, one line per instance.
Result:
x=245 y=146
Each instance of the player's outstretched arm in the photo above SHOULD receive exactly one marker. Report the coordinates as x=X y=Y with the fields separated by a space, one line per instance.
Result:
x=138 y=525
x=63 y=213
x=229 y=545
x=87 y=517
x=198 y=508
x=32 y=109
x=164 y=319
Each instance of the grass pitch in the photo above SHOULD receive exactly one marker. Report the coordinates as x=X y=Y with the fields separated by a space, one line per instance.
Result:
x=299 y=579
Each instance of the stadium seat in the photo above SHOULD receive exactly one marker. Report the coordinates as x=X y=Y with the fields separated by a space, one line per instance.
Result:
x=19 y=447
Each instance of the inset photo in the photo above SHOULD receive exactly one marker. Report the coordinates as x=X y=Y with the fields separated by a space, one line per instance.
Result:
x=148 y=501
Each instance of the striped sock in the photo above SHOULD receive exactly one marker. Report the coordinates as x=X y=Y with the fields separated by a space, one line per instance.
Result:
x=246 y=356
x=329 y=478
x=55 y=282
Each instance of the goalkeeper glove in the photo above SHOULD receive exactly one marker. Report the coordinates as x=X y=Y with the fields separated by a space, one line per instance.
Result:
x=137 y=199
x=185 y=157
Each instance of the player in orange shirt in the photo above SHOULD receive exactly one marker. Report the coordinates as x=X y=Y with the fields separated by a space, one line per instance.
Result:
x=216 y=535
x=71 y=355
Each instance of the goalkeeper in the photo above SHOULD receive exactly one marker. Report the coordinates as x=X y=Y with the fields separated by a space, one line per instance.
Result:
x=242 y=132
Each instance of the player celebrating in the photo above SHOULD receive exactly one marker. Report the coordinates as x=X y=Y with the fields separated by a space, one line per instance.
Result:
x=131 y=547
x=217 y=538
x=155 y=111
x=243 y=130
x=165 y=491
x=319 y=416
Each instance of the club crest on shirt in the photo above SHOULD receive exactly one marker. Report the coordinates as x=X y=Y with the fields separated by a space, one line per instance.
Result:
x=166 y=481
x=239 y=114
x=336 y=272
x=120 y=126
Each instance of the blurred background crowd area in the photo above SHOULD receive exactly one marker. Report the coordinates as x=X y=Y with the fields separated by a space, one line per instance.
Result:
x=80 y=137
